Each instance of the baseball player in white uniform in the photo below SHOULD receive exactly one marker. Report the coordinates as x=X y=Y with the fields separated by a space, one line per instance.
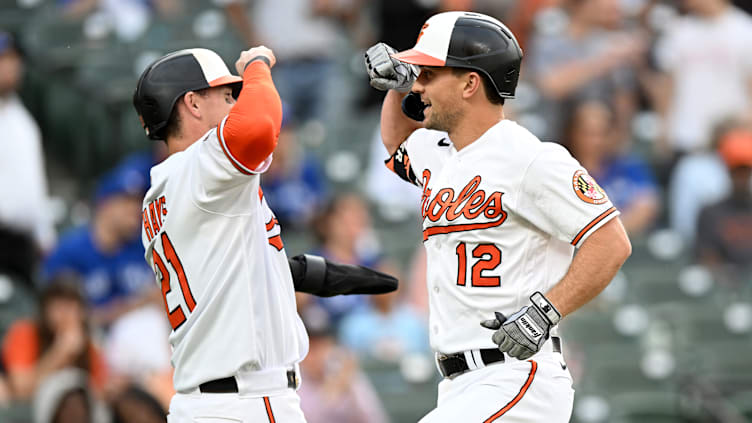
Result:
x=216 y=247
x=502 y=213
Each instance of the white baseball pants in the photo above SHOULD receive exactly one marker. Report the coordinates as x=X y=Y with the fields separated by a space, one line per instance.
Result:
x=236 y=408
x=533 y=391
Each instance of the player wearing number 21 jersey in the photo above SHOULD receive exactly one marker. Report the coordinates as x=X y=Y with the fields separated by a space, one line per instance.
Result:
x=213 y=241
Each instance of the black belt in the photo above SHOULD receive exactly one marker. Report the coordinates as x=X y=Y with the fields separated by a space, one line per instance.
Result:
x=455 y=364
x=229 y=385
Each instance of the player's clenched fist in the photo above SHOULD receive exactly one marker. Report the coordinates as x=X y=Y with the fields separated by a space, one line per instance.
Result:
x=387 y=73
x=523 y=333
x=254 y=53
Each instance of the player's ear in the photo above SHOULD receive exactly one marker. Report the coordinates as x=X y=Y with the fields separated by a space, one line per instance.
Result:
x=473 y=82
x=191 y=102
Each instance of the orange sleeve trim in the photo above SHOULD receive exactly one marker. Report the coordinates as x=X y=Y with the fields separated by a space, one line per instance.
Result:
x=248 y=135
x=21 y=346
x=590 y=225
x=269 y=413
x=234 y=162
x=519 y=395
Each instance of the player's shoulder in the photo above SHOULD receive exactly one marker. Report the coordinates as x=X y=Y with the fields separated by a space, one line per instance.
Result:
x=174 y=165
x=517 y=140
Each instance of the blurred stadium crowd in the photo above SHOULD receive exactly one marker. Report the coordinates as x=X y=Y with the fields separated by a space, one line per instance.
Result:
x=654 y=97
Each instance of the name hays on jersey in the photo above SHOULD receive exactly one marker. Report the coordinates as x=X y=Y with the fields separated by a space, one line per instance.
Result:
x=153 y=215
x=472 y=204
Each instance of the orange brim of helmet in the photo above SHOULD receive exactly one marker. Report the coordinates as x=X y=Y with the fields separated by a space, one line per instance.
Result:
x=415 y=57
x=224 y=80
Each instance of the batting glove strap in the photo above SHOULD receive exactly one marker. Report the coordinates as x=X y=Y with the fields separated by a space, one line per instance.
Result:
x=386 y=73
x=545 y=307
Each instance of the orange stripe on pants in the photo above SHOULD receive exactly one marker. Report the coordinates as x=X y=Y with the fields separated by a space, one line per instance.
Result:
x=269 y=410
x=519 y=395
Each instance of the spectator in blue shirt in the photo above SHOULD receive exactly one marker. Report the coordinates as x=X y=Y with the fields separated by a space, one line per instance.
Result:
x=625 y=177
x=107 y=253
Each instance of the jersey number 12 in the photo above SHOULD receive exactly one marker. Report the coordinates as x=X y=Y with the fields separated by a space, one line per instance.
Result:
x=489 y=256
x=176 y=315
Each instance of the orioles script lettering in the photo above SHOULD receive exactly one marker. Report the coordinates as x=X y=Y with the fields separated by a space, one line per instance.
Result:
x=470 y=203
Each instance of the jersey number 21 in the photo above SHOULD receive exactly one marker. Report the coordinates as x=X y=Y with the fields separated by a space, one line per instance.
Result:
x=176 y=315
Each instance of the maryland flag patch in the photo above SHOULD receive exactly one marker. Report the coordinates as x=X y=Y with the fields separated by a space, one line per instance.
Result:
x=587 y=189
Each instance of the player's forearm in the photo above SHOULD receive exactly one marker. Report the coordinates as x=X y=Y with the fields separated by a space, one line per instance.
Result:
x=395 y=126
x=253 y=125
x=594 y=266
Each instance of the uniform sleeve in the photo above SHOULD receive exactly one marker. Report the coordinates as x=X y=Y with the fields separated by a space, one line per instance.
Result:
x=423 y=149
x=559 y=197
x=227 y=157
x=248 y=135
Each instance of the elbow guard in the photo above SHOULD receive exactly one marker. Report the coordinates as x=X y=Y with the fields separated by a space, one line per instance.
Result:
x=318 y=276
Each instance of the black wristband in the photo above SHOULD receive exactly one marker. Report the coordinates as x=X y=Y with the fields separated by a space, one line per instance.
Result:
x=262 y=58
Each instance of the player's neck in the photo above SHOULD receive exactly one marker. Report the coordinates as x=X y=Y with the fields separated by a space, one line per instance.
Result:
x=475 y=124
x=190 y=131
x=179 y=143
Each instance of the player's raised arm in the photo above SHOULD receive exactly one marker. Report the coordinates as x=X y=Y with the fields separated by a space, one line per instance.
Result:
x=396 y=77
x=250 y=132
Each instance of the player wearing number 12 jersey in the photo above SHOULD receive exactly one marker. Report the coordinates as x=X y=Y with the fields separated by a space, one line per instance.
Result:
x=502 y=214
x=213 y=241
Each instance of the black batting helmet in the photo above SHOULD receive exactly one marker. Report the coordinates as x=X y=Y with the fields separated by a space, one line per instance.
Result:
x=471 y=41
x=167 y=79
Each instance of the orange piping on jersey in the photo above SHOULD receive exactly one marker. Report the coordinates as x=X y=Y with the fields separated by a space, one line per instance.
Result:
x=269 y=413
x=519 y=396
x=261 y=194
x=436 y=230
x=591 y=224
x=270 y=224
x=249 y=133
x=239 y=169
x=276 y=242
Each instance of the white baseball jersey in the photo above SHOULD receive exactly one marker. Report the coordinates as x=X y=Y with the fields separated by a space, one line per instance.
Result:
x=501 y=219
x=215 y=247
